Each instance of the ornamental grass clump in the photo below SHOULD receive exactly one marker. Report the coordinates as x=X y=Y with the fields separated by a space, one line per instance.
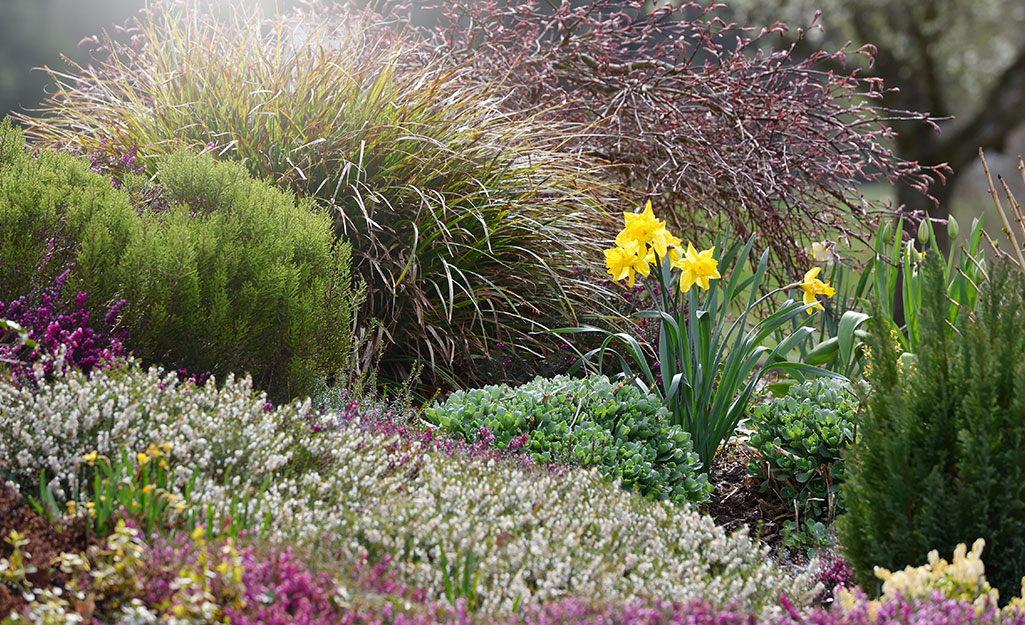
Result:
x=706 y=366
x=337 y=483
x=467 y=224
x=623 y=431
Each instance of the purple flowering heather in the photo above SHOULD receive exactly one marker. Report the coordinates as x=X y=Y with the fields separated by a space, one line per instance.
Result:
x=581 y=611
x=197 y=379
x=54 y=323
x=281 y=590
x=896 y=610
x=278 y=587
x=835 y=574
x=403 y=436
x=116 y=166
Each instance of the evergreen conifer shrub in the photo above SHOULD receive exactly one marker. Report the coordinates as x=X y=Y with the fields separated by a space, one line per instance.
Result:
x=940 y=455
x=221 y=272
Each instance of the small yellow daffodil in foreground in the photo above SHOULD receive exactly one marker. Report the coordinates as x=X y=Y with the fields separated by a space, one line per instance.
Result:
x=90 y=457
x=697 y=268
x=813 y=287
x=142 y=458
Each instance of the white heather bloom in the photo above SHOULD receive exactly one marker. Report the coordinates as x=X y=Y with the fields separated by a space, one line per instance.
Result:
x=536 y=535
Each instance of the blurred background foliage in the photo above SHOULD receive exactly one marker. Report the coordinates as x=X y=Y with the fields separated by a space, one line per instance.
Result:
x=962 y=61
x=34 y=33
x=958 y=59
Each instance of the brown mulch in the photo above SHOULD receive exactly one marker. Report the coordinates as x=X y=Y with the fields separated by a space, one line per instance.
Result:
x=736 y=500
x=46 y=541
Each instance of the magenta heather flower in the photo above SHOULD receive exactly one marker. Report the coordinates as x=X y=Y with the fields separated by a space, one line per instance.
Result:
x=116 y=166
x=835 y=574
x=55 y=324
x=274 y=585
x=197 y=379
x=404 y=437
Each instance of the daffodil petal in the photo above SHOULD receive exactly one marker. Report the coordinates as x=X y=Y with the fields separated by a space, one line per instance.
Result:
x=686 y=281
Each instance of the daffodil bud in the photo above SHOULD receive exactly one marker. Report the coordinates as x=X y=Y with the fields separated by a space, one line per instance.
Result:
x=952 y=228
x=924 y=231
x=887 y=231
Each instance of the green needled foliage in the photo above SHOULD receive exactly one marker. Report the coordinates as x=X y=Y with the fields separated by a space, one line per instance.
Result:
x=218 y=272
x=940 y=455
x=467 y=223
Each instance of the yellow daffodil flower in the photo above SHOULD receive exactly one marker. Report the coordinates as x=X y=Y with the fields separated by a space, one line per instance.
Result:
x=626 y=262
x=697 y=268
x=675 y=245
x=142 y=458
x=91 y=457
x=147 y=489
x=813 y=287
x=645 y=229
